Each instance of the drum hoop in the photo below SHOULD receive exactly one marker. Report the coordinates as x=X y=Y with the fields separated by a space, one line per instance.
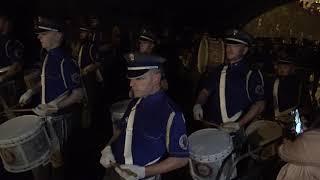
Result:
x=17 y=169
x=213 y=157
x=22 y=138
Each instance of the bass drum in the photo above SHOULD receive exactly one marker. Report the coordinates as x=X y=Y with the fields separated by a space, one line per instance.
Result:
x=210 y=53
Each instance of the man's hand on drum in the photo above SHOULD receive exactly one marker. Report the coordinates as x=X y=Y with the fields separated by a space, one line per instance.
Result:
x=231 y=126
x=197 y=112
x=131 y=172
x=26 y=97
x=107 y=157
x=45 y=109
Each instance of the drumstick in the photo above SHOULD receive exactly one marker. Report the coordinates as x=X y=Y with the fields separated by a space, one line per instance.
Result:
x=21 y=110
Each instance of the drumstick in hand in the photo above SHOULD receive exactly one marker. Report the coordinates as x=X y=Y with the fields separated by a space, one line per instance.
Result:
x=21 y=110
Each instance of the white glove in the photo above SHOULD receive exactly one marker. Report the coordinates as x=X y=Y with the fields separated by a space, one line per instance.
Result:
x=107 y=157
x=45 y=109
x=131 y=172
x=231 y=126
x=26 y=97
x=197 y=112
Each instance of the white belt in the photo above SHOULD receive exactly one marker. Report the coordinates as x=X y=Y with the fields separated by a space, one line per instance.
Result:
x=222 y=96
x=128 y=140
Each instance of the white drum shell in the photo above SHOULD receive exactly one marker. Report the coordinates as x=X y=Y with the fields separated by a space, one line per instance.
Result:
x=208 y=149
x=26 y=141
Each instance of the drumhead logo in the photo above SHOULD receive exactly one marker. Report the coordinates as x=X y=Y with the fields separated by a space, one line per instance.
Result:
x=8 y=156
x=203 y=170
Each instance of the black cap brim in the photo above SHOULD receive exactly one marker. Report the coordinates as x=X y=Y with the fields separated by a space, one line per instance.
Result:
x=133 y=74
x=145 y=38
x=284 y=62
x=234 y=41
x=41 y=29
x=38 y=30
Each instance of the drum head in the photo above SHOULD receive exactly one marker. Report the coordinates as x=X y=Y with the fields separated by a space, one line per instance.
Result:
x=18 y=126
x=263 y=132
x=207 y=142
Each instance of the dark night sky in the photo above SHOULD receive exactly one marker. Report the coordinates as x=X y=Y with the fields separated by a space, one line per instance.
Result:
x=216 y=15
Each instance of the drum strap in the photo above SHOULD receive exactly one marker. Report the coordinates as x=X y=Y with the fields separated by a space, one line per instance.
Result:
x=128 y=140
x=222 y=96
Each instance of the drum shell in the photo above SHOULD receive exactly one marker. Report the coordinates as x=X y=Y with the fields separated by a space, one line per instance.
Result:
x=25 y=151
x=207 y=166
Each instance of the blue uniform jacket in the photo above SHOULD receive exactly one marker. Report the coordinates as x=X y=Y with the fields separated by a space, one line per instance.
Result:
x=239 y=96
x=61 y=74
x=151 y=129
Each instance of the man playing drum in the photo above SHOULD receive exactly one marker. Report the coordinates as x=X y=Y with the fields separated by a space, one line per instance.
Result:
x=61 y=91
x=286 y=90
x=234 y=91
x=151 y=137
x=88 y=62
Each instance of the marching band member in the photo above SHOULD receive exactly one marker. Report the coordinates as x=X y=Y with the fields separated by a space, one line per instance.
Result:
x=151 y=137
x=61 y=94
x=235 y=91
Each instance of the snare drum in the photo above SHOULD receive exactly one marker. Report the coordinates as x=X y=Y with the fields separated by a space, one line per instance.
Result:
x=24 y=143
x=209 y=149
x=262 y=132
x=117 y=110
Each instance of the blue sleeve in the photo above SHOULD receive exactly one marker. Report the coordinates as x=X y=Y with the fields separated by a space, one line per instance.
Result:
x=256 y=86
x=71 y=74
x=178 y=139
